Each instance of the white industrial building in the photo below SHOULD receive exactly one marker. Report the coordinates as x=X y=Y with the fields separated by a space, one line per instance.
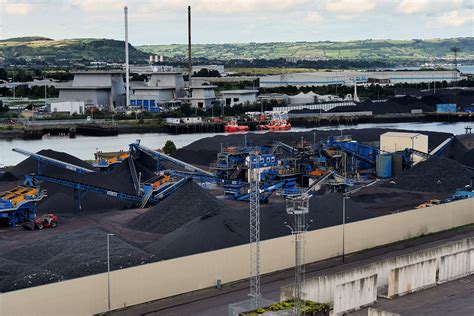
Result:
x=322 y=78
x=302 y=98
x=234 y=97
x=160 y=92
x=202 y=97
x=398 y=141
x=218 y=68
x=168 y=79
x=67 y=107
x=104 y=89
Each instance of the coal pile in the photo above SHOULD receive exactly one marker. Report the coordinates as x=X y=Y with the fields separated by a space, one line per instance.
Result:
x=437 y=174
x=71 y=255
x=468 y=158
x=187 y=203
x=15 y=275
x=209 y=232
x=230 y=227
x=60 y=200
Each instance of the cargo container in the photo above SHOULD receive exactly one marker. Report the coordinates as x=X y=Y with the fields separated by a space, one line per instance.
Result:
x=446 y=108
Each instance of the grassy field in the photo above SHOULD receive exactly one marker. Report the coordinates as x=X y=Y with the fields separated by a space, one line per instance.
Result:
x=366 y=49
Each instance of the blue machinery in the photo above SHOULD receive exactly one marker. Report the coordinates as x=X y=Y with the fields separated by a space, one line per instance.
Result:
x=19 y=205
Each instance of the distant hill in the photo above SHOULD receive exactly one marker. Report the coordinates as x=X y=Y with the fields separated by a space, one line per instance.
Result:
x=26 y=39
x=393 y=50
x=68 y=50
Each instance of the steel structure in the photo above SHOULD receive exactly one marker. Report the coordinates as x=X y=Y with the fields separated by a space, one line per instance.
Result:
x=51 y=161
x=137 y=147
x=297 y=207
x=254 y=202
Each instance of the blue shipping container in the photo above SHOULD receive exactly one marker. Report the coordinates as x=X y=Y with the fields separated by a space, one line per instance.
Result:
x=469 y=109
x=446 y=108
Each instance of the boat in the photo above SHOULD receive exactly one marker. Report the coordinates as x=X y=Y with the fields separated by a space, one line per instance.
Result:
x=233 y=126
x=279 y=126
x=279 y=122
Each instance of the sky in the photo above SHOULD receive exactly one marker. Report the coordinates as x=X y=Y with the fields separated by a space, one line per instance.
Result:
x=238 y=21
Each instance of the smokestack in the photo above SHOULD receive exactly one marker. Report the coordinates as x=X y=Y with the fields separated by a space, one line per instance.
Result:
x=127 y=72
x=190 y=63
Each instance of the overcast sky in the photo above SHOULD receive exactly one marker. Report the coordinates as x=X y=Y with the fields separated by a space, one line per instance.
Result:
x=230 y=21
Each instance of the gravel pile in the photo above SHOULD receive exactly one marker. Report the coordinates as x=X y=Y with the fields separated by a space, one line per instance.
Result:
x=76 y=254
x=437 y=174
x=187 y=203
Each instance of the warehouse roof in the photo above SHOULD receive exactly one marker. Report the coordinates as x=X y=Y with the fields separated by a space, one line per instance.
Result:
x=239 y=91
x=401 y=134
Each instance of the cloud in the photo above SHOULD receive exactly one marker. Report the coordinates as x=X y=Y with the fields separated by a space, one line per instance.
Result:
x=17 y=8
x=455 y=18
x=350 y=6
x=98 y=5
x=313 y=18
x=420 y=6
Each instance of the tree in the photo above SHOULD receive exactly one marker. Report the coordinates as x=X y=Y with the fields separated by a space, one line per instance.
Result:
x=169 y=147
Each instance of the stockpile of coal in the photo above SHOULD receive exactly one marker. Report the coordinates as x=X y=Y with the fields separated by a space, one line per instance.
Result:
x=15 y=275
x=437 y=174
x=60 y=199
x=69 y=255
x=209 y=232
x=30 y=165
x=394 y=105
x=187 y=203
x=204 y=151
x=230 y=227
x=468 y=158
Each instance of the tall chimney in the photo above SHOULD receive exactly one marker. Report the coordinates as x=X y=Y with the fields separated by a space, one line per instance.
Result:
x=190 y=63
x=127 y=71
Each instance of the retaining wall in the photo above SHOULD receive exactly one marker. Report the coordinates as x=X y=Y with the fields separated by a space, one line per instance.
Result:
x=456 y=265
x=352 y=295
x=411 y=278
x=85 y=296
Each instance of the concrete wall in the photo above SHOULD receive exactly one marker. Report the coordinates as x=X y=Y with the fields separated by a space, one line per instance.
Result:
x=456 y=265
x=355 y=294
x=87 y=295
x=412 y=277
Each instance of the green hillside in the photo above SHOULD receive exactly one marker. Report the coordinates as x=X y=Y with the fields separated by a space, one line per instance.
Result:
x=84 y=49
x=366 y=49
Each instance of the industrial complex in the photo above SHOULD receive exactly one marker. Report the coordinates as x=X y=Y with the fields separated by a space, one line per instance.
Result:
x=271 y=214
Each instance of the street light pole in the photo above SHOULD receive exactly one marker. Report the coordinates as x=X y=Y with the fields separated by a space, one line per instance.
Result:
x=344 y=198
x=108 y=270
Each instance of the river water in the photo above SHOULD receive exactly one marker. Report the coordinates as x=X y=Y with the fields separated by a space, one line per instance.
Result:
x=85 y=147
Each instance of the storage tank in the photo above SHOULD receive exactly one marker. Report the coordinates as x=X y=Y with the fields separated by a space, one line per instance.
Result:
x=397 y=164
x=384 y=165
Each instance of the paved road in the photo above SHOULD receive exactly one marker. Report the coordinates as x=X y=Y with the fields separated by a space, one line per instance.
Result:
x=215 y=302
